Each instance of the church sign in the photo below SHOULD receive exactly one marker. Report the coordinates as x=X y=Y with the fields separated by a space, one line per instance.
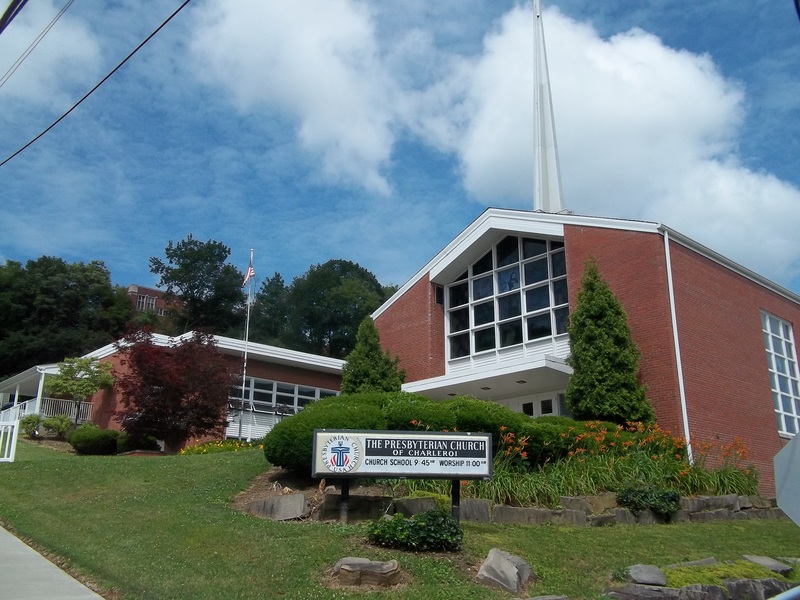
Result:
x=416 y=454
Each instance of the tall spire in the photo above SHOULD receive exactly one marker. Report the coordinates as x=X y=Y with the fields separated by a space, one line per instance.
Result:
x=547 y=195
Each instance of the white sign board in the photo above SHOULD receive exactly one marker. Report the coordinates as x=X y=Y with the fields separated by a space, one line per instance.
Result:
x=417 y=454
x=787 y=479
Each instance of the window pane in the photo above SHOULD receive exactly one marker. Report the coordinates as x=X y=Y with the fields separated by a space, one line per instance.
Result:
x=786 y=403
x=262 y=396
x=535 y=271
x=459 y=294
x=559 y=262
x=508 y=280
x=459 y=319
x=776 y=400
x=308 y=392
x=509 y=306
x=484 y=313
x=537 y=298
x=777 y=345
x=527 y=409
x=780 y=364
x=482 y=288
x=556 y=245
x=562 y=320
x=462 y=276
x=459 y=345
x=511 y=333
x=531 y=247
x=286 y=388
x=547 y=407
x=779 y=419
x=791 y=425
x=484 y=339
x=539 y=326
x=484 y=265
x=783 y=384
x=774 y=325
x=560 y=292
x=507 y=251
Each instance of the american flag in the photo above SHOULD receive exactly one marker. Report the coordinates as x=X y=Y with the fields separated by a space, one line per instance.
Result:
x=251 y=272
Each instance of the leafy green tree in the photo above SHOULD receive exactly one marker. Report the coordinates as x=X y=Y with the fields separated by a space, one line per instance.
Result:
x=79 y=379
x=604 y=358
x=208 y=289
x=50 y=309
x=176 y=392
x=369 y=368
x=320 y=311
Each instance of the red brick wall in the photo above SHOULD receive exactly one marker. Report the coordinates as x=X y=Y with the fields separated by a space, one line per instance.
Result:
x=633 y=265
x=726 y=381
x=107 y=402
x=413 y=329
x=725 y=369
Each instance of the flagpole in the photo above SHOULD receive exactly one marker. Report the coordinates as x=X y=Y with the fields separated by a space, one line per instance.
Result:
x=250 y=275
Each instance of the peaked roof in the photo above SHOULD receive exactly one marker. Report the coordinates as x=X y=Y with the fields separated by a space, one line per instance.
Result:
x=495 y=223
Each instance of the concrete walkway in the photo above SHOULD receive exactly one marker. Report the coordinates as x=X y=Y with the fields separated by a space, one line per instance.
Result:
x=27 y=575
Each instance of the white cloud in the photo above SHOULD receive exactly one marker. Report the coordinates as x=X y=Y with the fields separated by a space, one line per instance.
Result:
x=68 y=55
x=315 y=61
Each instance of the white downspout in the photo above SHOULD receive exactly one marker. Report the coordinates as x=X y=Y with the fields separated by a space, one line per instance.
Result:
x=677 y=345
x=37 y=407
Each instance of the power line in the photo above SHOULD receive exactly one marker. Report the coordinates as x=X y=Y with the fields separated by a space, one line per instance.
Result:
x=33 y=45
x=102 y=81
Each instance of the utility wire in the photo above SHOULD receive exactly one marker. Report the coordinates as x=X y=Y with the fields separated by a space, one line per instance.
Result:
x=102 y=81
x=33 y=45
x=12 y=11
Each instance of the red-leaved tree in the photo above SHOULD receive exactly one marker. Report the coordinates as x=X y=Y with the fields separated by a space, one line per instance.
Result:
x=174 y=392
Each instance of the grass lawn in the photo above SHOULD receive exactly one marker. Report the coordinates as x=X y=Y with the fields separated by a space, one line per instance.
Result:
x=162 y=528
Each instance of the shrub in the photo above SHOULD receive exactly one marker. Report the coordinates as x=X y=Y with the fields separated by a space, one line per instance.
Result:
x=58 y=426
x=30 y=425
x=127 y=442
x=471 y=414
x=94 y=441
x=431 y=531
x=414 y=412
x=290 y=443
x=662 y=502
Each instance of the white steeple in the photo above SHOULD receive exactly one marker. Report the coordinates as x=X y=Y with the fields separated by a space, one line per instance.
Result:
x=547 y=196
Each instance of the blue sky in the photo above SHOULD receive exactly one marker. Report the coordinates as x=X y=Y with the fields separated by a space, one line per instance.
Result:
x=375 y=131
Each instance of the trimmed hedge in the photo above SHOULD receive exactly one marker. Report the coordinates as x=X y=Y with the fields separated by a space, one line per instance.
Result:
x=128 y=443
x=94 y=441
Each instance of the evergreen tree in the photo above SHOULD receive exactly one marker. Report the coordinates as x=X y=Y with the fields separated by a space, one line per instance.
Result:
x=369 y=368
x=604 y=358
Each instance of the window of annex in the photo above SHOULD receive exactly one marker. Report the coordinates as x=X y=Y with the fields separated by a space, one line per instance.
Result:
x=275 y=397
x=783 y=373
x=515 y=293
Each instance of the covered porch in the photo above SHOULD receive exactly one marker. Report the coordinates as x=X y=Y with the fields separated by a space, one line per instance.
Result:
x=23 y=394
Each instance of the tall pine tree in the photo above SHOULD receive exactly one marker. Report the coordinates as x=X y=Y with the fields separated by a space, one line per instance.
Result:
x=604 y=358
x=369 y=368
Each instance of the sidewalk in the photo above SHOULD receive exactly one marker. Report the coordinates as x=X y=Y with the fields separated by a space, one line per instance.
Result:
x=27 y=575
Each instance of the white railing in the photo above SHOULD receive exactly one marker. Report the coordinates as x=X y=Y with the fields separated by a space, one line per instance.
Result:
x=49 y=407
x=8 y=440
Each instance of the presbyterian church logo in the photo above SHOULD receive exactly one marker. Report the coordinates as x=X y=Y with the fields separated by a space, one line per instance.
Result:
x=341 y=453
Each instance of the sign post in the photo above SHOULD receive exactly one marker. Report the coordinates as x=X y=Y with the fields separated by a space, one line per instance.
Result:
x=349 y=454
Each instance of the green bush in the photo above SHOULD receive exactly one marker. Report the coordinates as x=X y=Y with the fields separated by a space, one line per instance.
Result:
x=414 y=412
x=94 y=441
x=664 y=503
x=431 y=531
x=58 y=426
x=30 y=425
x=127 y=442
x=472 y=414
x=290 y=443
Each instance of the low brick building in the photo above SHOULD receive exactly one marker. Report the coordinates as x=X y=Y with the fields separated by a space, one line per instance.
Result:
x=487 y=316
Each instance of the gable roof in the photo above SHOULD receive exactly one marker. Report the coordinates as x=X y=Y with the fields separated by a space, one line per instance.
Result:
x=495 y=223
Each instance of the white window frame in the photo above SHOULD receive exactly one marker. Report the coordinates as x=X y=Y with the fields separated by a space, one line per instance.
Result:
x=472 y=330
x=783 y=372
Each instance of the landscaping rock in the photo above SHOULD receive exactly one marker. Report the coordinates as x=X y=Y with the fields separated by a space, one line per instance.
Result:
x=745 y=502
x=281 y=508
x=602 y=520
x=624 y=516
x=522 y=516
x=710 y=516
x=359 y=507
x=569 y=517
x=601 y=503
x=646 y=575
x=759 y=502
x=634 y=591
x=770 y=563
x=756 y=589
x=362 y=571
x=695 y=563
x=648 y=517
x=413 y=506
x=505 y=571
x=475 y=510
x=574 y=503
